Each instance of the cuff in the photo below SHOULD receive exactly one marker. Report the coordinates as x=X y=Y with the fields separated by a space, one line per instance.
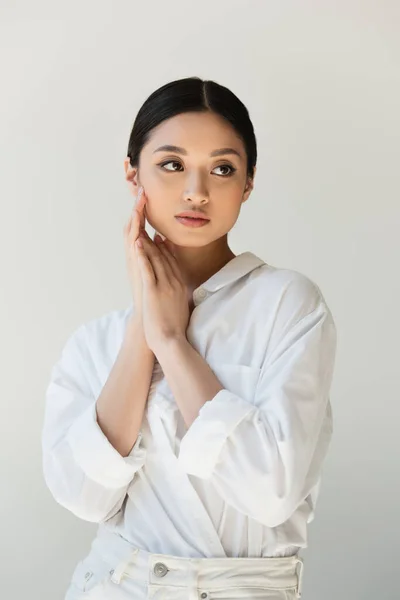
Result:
x=97 y=457
x=202 y=444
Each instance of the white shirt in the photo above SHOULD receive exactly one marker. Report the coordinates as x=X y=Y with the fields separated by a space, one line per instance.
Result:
x=243 y=480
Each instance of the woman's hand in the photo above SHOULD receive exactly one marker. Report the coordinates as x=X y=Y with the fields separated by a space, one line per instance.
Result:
x=165 y=306
x=133 y=228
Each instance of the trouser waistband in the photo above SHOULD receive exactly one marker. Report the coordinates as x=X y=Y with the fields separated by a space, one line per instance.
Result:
x=155 y=569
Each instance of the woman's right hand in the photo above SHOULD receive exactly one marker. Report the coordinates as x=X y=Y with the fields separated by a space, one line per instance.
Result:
x=132 y=229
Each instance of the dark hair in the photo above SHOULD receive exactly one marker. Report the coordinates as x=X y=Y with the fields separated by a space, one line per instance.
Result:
x=192 y=94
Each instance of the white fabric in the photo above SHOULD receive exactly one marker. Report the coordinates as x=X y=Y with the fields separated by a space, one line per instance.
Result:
x=114 y=569
x=243 y=480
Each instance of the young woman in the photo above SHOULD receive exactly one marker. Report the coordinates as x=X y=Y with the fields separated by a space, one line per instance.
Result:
x=192 y=426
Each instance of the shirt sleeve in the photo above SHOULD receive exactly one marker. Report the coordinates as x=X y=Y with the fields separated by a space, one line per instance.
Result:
x=82 y=469
x=264 y=457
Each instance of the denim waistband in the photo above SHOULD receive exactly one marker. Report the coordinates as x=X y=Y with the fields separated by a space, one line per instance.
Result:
x=126 y=560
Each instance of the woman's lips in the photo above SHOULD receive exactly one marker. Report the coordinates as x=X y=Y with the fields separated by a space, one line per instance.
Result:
x=190 y=222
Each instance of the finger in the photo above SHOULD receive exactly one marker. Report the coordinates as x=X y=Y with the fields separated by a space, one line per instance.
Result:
x=130 y=218
x=172 y=262
x=161 y=267
x=140 y=200
x=158 y=242
x=143 y=232
x=128 y=227
x=136 y=228
x=139 y=203
x=140 y=207
x=139 y=197
x=170 y=246
x=145 y=266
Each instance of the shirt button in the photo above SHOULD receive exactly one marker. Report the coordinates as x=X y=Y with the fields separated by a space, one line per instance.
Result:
x=88 y=575
x=160 y=569
x=204 y=595
x=200 y=294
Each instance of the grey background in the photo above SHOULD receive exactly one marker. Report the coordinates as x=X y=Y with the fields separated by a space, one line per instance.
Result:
x=321 y=81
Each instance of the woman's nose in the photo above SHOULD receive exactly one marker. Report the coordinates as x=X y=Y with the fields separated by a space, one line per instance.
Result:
x=196 y=188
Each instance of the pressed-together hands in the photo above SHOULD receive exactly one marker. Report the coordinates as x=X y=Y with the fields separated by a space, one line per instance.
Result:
x=160 y=294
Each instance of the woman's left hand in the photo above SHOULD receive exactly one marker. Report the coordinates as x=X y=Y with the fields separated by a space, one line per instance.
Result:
x=165 y=307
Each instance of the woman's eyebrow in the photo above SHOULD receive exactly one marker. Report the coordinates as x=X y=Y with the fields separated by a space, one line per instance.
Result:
x=179 y=150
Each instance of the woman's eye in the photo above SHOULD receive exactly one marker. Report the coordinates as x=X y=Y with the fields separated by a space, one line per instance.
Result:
x=170 y=162
x=175 y=163
x=231 y=170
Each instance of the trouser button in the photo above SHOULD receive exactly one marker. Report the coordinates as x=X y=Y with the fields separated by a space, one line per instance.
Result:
x=160 y=569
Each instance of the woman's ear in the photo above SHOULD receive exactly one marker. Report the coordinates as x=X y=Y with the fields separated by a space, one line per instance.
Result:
x=249 y=187
x=131 y=176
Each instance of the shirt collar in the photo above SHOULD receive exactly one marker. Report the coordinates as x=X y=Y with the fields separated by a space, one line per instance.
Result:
x=237 y=267
x=232 y=271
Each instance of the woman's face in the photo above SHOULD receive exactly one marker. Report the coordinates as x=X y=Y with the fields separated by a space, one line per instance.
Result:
x=190 y=178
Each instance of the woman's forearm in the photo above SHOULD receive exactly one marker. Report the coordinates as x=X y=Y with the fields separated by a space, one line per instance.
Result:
x=121 y=404
x=189 y=376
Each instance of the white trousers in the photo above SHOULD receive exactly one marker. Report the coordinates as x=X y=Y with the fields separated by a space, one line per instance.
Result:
x=116 y=570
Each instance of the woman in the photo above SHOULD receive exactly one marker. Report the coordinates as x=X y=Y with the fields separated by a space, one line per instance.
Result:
x=193 y=425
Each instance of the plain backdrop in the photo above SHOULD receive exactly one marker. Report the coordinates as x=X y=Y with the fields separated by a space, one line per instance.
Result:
x=321 y=82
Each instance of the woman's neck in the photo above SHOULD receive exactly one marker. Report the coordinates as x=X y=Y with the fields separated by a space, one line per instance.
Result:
x=199 y=264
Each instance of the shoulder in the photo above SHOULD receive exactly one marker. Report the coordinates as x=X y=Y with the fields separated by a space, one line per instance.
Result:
x=295 y=311
x=288 y=286
x=288 y=296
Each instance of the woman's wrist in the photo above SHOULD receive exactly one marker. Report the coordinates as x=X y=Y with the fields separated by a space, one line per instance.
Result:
x=135 y=333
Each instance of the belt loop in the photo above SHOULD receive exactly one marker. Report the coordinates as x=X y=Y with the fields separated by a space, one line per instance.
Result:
x=300 y=578
x=119 y=571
